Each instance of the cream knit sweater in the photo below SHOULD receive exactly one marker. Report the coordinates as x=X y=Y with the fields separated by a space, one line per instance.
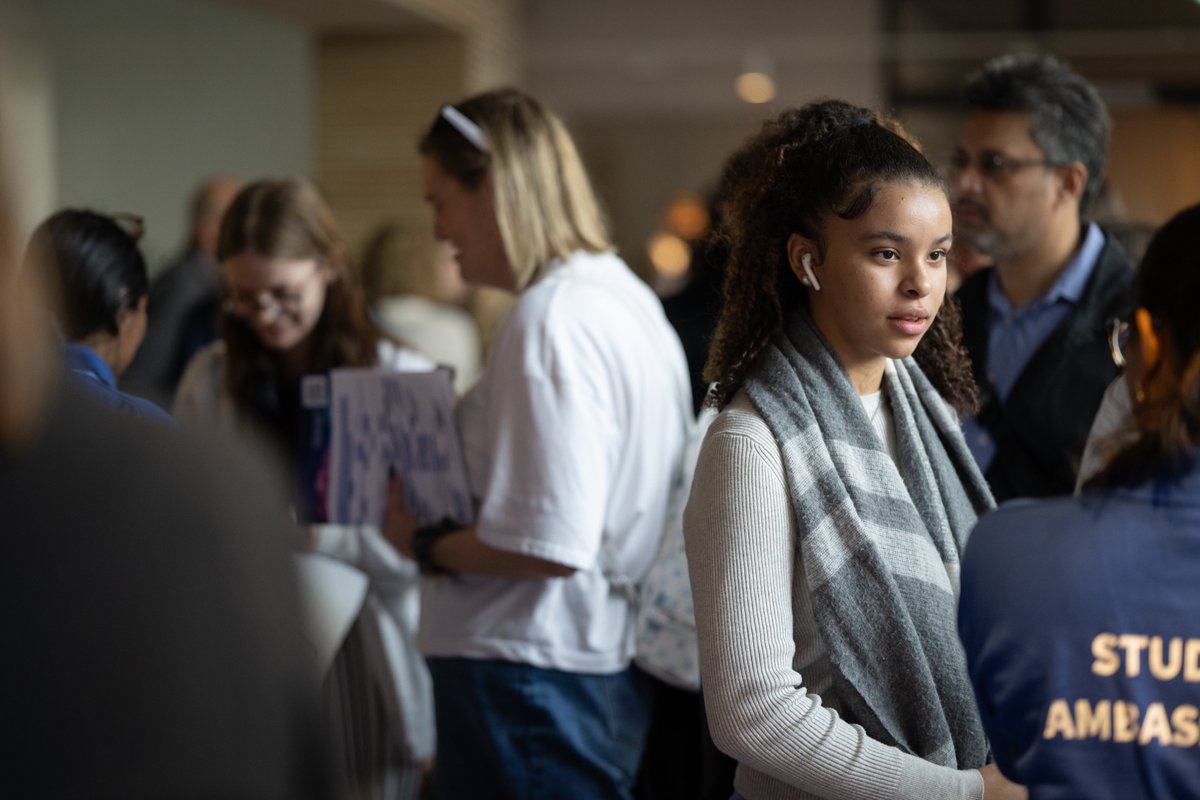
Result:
x=765 y=673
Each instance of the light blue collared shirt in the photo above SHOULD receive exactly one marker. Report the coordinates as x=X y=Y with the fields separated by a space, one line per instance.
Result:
x=1016 y=334
x=97 y=379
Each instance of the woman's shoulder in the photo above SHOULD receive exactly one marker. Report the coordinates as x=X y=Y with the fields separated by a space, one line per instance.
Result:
x=1032 y=515
x=1060 y=529
x=207 y=365
x=740 y=417
x=585 y=287
x=202 y=386
x=400 y=358
x=740 y=428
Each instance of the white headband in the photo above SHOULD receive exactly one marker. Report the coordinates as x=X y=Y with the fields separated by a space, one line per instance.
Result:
x=470 y=131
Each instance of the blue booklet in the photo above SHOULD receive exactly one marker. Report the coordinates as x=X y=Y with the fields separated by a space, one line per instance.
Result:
x=312 y=477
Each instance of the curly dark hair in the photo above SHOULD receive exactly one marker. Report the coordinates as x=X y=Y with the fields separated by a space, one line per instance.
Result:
x=827 y=157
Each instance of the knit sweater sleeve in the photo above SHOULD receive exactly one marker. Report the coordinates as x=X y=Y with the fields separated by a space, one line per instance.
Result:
x=744 y=567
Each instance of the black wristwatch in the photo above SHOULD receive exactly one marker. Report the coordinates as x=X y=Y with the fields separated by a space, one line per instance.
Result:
x=423 y=541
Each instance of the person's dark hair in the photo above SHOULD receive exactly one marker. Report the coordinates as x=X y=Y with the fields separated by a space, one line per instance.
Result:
x=1069 y=120
x=809 y=163
x=289 y=219
x=1167 y=413
x=95 y=268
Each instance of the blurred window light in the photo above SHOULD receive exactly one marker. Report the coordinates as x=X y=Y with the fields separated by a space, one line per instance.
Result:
x=669 y=254
x=757 y=87
x=687 y=217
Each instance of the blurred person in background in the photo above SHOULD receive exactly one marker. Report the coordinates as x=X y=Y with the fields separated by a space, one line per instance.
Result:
x=1084 y=658
x=153 y=635
x=184 y=307
x=294 y=309
x=573 y=437
x=963 y=263
x=414 y=290
x=1030 y=161
x=98 y=277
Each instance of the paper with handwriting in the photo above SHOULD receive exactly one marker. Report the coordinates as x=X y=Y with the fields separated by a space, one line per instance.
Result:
x=402 y=423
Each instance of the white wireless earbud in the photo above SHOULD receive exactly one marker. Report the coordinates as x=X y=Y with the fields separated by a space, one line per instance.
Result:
x=810 y=279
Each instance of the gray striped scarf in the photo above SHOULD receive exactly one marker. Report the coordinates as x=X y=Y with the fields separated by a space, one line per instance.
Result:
x=880 y=545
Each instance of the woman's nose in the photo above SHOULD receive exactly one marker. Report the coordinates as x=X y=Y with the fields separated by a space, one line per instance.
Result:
x=918 y=282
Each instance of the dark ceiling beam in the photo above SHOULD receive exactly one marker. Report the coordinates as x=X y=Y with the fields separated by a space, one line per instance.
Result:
x=1036 y=15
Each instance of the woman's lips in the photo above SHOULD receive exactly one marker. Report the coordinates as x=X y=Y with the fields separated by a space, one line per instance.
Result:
x=910 y=324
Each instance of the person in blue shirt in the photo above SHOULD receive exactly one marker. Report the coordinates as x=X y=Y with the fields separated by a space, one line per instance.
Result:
x=1030 y=160
x=100 y=287
x=1078 y=615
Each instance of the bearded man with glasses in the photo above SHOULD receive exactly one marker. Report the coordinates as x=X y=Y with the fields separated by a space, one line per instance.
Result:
x=1030 y=160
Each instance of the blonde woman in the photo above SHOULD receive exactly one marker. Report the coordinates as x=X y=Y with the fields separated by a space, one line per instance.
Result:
x=414 y=292
x=572 y=437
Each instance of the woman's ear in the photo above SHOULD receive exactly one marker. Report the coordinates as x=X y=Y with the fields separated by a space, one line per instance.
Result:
x=800 y=259
x=1149 y=341
x=128 y=318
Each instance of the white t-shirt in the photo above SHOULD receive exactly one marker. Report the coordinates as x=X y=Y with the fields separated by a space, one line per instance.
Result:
x=879 y=412
x=571 y=438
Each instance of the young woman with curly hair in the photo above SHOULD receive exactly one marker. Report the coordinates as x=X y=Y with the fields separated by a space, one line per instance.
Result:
x=834 y=491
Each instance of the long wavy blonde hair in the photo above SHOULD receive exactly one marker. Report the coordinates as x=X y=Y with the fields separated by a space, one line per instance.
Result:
x=545 y=206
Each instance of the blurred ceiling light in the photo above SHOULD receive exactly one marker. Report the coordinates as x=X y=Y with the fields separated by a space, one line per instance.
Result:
x=756 y=84
x=755 y=87
x=687 y=217
x=669 y=254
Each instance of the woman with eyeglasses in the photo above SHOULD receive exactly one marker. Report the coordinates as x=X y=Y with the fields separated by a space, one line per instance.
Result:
x=294 y=309
x=573 y=437
x=1079 y=614
x=100 y=287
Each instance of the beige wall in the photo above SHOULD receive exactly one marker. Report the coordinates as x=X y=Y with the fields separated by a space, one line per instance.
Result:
x=639 y=165
x=1155 y=161
x=27 y=111
x=647 y=88
x=374 y=97
x=376 y=94
x=490 y=33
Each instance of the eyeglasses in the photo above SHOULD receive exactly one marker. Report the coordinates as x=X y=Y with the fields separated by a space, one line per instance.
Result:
x=280 y=299
x=1118 y=339
x=993 y=165
x=133 y=225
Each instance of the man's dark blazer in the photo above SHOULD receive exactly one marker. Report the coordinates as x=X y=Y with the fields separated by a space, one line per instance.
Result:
x=1041 y=427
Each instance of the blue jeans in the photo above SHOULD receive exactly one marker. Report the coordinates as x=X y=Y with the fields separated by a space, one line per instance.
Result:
x=515 y=732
